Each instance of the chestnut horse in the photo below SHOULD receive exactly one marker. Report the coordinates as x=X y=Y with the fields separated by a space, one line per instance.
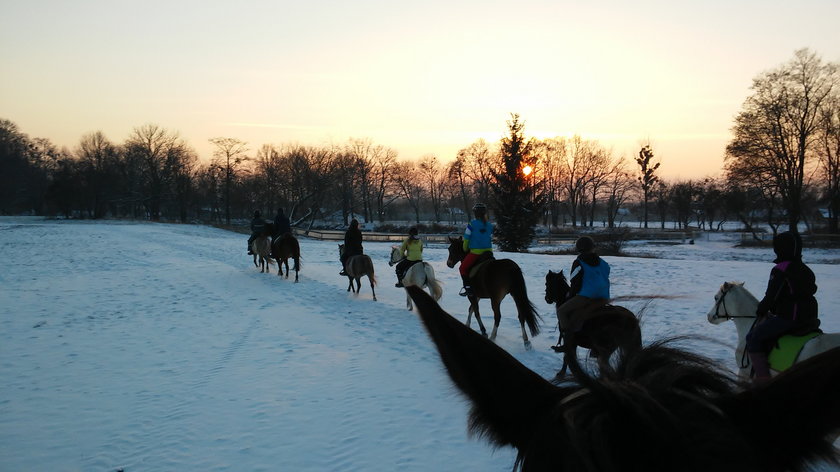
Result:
x=494 y=279
x=602 y=328
x=284 y=247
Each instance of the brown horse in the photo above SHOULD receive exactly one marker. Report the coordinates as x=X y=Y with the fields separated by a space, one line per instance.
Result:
x=261 y=247
x=659 y=409
x=284 y=247
x=357 y=267
x=601 y=328
x=495 y=279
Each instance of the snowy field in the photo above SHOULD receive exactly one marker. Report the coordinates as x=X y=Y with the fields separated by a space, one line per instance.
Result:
x=157 y=347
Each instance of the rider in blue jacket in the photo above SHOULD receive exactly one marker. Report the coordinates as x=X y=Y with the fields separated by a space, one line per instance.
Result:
x=589 y=281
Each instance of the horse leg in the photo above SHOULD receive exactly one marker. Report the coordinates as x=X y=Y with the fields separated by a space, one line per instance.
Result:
x=372 y=290
x=474 y=309
x=350 y=286
x=497 y=317
x=407 y=301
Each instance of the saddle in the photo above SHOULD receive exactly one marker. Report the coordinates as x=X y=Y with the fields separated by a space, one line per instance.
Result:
x=579 y=317
x=787 y=349
x=482 y=259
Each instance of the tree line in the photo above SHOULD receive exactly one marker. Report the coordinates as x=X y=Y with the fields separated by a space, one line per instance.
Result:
x=781 y=167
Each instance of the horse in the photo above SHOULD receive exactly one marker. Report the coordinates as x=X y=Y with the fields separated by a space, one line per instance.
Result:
x=660 y=408
x=495 y=279
x=357 y=267
x=284 y=247
x=734 y=302
x=421 y=274
x=601 y=328
x=261 y=247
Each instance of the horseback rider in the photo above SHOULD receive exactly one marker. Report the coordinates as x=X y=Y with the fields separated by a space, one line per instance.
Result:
x=412 y=251
x=281 y=224
x=352 y=243
x=257 y=228
x=589 y=283
x=478 y=243
x=788 y=306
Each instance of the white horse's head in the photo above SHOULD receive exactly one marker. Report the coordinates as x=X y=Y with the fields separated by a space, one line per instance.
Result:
x=732 y=301
x=396 y=255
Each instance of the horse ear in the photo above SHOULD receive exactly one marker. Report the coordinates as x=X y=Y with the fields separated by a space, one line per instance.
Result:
x=508 y=399
x=794 y=417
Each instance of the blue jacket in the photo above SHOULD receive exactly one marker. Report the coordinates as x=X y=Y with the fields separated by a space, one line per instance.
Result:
x=590 y=277
x=478 y=237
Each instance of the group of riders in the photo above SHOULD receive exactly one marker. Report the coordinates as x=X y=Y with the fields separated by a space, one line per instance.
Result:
x=788 y=305
x=259 y=227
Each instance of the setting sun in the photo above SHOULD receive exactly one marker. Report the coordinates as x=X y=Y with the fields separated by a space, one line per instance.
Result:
x=527 y=170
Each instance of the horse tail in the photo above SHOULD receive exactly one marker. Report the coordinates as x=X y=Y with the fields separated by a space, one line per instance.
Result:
x=432 y=282
x=527 y=310
x=296 y=253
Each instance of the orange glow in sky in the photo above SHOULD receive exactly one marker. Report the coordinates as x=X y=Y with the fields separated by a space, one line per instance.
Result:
x=419 y=77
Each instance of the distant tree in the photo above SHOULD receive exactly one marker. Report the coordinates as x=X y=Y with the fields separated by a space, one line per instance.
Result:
x=410 y=182
x=16 y=168
x=710 y=198
x=828 y=155
x=435 y=179
x=229 y=155
x=515 y=201
x=662 y=196
x=774 y=134
x=647 y=176
x=682 y=196
x=98 y=159
x=618 y=183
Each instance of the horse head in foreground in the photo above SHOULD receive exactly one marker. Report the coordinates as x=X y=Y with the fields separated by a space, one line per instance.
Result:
x=603 y=328
x=494 y=279
x=733 y=302
x=421 y=274
x=658 y=409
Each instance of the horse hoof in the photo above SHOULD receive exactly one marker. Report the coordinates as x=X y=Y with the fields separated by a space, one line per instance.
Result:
x=528 y=345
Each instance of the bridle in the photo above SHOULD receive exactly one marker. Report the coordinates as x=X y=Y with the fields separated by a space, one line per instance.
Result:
x=721 y=302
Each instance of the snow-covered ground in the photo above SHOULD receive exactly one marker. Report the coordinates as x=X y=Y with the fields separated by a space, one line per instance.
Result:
x=155 y=347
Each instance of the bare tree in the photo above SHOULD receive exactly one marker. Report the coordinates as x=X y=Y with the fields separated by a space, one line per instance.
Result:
x=647 y=176
x=229 y=155
x=409 y=180
x=775 y=132
x=435 y=178
x=828 y=155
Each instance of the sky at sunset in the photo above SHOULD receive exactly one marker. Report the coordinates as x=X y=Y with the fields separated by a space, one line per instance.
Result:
x=420 y=77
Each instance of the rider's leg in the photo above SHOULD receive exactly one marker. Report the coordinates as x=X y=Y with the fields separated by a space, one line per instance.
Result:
x=564 y=314
x=464 y=269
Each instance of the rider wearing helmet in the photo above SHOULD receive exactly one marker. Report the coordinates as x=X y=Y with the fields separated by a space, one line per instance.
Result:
x=257 y=227
x=352 y=244
x=589 y=282
x=478 y=241
x=788 y=305
x=412 y=251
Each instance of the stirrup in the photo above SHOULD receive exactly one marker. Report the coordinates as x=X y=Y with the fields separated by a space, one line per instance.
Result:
x=465 y=292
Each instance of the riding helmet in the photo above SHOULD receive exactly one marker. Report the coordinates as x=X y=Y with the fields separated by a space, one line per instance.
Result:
x=787 y=246
x=256 y=214
x=480 y=209
x=584 y=244
x=412 y=231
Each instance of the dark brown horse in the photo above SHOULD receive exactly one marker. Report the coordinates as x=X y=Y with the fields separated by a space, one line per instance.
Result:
x=357 y=267
x=494 y=279
x=284 y=247
x=658 y=409
x=601 y=328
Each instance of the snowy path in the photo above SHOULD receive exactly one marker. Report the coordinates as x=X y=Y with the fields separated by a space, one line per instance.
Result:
x=161 y=347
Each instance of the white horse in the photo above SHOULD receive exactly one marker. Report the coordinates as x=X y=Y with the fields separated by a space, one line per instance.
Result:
x=736 y=303
x=421 y=275
x=261 y=247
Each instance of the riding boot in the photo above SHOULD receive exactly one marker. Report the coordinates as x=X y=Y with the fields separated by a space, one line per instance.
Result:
x=761 y=367
x=467 y=290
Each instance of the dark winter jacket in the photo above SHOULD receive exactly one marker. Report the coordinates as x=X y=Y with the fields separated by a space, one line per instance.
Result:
x=257 y=225
x=792 y=285
x=590 y=277
x=281 y=225
x=353 y=242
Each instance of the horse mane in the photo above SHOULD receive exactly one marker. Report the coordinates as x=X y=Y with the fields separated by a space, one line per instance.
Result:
x=657 y=408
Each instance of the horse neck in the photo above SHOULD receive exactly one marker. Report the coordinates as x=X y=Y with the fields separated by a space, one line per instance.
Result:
x=742 y=305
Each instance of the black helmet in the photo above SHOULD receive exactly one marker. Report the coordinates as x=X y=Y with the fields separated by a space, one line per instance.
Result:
x=584 y=244
x=479 y=208
x=787 y=246
x=412 y=231
x=257 y=214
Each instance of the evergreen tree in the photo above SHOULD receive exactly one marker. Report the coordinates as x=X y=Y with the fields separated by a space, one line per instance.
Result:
x=516 y=199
